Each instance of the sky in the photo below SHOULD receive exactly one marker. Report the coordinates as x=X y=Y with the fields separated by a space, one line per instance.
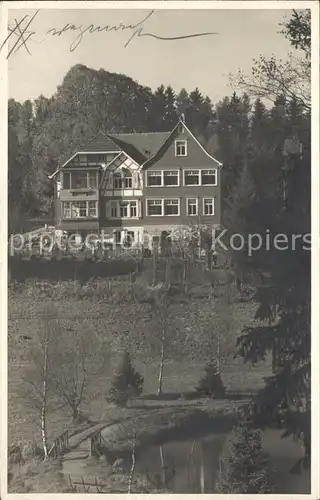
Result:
x=204 y=62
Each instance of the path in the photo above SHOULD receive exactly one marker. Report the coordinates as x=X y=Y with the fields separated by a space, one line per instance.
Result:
x=74 y=463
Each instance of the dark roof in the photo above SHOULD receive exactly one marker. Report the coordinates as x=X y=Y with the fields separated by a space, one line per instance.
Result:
x=140 y=146
x=100 y=143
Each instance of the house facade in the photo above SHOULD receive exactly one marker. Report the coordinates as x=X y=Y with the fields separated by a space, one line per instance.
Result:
x=133 y=187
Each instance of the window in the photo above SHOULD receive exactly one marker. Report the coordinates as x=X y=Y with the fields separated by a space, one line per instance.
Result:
x=133 y=209
x=180 y=128
x=92 y=180
x=181 y=148
x=124 y=209
x=154 y=207
x=191 y=178
x=66 y=180
x=79 y=180
x=163 y=178
x=122 y=180
x=192 y=206
x=114 y=209
x=208 y=206
x=154 y=178
x=208 y=177
x=66 y=209
x=96 y=158
x=93 y=209
x=171 y=178
x=200 y=177
x=117 y=181
x=171 y=207
x=79 y=209
x=163 y=207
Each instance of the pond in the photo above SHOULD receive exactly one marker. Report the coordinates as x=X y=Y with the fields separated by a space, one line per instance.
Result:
x=191 y=466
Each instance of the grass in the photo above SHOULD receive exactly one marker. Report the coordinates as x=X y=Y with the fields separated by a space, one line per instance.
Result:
x=117 y=314
x=36 y=476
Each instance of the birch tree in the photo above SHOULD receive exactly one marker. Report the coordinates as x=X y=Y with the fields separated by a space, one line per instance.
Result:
x=38 y=389
x=272 y=78
x=80 y=360
x=158 y=332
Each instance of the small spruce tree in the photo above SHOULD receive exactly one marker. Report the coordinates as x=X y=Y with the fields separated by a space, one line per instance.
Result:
x=211 y=383
x=127 y=383
x=245 y=469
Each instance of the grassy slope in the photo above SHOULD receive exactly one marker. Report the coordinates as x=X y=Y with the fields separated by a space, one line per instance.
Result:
x=118 y=321
x=118 y=326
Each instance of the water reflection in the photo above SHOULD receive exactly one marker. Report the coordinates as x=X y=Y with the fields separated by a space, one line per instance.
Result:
x=191 y=466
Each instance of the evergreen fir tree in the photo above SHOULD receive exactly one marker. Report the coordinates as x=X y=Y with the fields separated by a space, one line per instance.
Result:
x=211 y=383
x=127 y=383
x=182 y=102
x=245 y=468
x=158 y=110
x=170 y=117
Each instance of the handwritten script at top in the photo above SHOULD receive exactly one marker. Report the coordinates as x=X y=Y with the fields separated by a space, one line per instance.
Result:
x=21 y=33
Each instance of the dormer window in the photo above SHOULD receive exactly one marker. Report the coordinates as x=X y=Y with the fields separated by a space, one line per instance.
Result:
x=181 y=148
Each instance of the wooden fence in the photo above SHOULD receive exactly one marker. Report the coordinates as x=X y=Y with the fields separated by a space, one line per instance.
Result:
x=59 y=445
x=95 y=444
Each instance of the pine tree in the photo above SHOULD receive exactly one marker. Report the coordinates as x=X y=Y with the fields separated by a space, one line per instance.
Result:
x=158 y=110
x=127 y=383
x=211 y=383
x=245 y=469
x=284 y=292
x=233 y=132
x=182 y=102
x=199 y=114
x=170 y=117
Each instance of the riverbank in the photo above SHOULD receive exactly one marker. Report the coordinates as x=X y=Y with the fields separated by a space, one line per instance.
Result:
x=124 y=442
x=136 y=430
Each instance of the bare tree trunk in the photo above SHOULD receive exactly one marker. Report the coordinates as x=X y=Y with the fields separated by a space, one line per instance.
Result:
x=75 y=413
x=218 y=353
x=133 y=466
x=164 y=478
x=184 y=276
x=168 y=271
x=44 y=401
x=202 y=471
x=154 y=266
x=160 y=378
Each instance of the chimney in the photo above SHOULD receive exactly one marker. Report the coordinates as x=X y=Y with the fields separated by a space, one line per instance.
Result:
x=182 y=118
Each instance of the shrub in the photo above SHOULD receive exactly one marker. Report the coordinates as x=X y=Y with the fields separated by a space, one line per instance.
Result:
x=15 y=454
x=245 y=468
x=211 y=383
x=22 y=452
x=126 y=384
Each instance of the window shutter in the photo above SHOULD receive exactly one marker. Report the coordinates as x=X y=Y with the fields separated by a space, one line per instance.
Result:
x=139 y=209
x=108 y=209
x=110 y=180
x=135 y=180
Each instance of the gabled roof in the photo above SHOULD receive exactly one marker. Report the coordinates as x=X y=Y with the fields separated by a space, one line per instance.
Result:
x=143 y=147
x=100 y=144
x=170 y=136
x=140 y=146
